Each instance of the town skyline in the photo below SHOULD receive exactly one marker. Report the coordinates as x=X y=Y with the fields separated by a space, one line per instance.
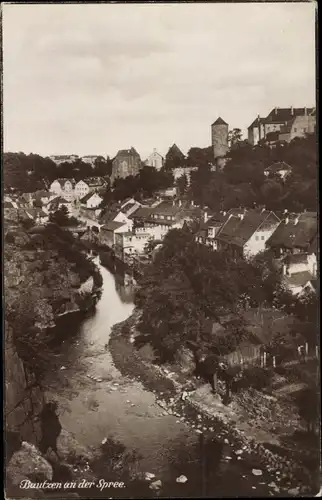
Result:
x=104 y=84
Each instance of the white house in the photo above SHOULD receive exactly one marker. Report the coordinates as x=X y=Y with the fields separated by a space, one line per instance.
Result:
x=64 y=188
x=155 y=160
x=91 y=200
x=246 y=233
x=89 y=185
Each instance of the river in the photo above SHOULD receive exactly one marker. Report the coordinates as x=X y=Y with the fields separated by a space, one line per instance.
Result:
x=96 y=401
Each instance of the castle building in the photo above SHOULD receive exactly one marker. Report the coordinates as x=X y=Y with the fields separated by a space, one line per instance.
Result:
x=282 y=124
x=219 y=140
x=126 y=162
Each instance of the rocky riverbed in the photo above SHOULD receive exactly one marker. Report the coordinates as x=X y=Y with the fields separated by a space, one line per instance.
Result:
x=281 y=474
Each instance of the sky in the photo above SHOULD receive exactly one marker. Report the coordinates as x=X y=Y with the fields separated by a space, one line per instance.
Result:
x=96 y=78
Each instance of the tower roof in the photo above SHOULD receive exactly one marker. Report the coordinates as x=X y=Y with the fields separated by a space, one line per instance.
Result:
x=220 y=121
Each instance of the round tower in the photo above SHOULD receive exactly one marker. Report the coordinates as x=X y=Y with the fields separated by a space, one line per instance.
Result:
x=219 y=140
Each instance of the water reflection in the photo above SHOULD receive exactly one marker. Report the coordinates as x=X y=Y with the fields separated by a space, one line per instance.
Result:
x=125 y=287
x=96 y=402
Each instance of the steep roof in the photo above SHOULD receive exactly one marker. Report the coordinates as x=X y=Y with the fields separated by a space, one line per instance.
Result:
x=35 y=212
x=256 y=122
x=282 y=115
x=219 y=121
x=112 y=225
x=175 y=149
x=141 y=212
x=292 y=233
x=42 y=194
x=165 y=208
x=127 y=152
x=88 y=196
x=239 y=229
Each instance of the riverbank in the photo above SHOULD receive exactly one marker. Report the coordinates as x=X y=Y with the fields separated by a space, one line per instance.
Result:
x=206 y=414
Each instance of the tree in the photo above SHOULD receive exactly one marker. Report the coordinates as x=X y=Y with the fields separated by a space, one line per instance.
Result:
x=60 y=217
x=234 y=137
x=200 y=157
x=308 y=403
x=182 y=184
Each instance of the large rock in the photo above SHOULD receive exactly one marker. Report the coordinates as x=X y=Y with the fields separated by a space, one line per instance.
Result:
x=28 y=463
x=70 y=450
x=186 y=360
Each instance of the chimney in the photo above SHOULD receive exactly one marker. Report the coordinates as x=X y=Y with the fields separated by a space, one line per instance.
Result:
x=296 y=220
x=292 y=110
x=241 y=216
x=275 y=110
x=263 y=209
x=284 y=270
x=179 y=203
x=285 y=211
x=286 y=220
x=224 y=213
x=205 y=217
x=192 y=203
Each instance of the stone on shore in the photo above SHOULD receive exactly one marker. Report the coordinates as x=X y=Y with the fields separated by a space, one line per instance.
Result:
x=156 y=485
x=182 y=479
x=28 y=463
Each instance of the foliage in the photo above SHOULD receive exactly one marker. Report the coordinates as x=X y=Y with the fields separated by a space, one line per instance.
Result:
x=39 y=280
x=244 y=183
x=61 y=218
x=28 y=173
x=188 y=285
x=234 y=137
x=308 y=403
x=145 y=184
x=200 y=157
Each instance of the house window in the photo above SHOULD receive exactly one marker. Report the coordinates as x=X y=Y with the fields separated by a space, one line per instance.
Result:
x=295 y=129
x=263 y=237
x=256 y=238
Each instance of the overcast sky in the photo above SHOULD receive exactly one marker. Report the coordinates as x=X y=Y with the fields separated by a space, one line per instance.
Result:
x=92 y=79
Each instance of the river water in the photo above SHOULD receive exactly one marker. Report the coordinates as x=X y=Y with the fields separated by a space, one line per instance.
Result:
x=96 y=401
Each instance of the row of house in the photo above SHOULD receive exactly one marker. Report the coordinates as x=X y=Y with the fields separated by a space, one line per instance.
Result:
x=59 y=159
x=128 y=228
x=282 y=124
x=293 y=241
x=71 y=190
